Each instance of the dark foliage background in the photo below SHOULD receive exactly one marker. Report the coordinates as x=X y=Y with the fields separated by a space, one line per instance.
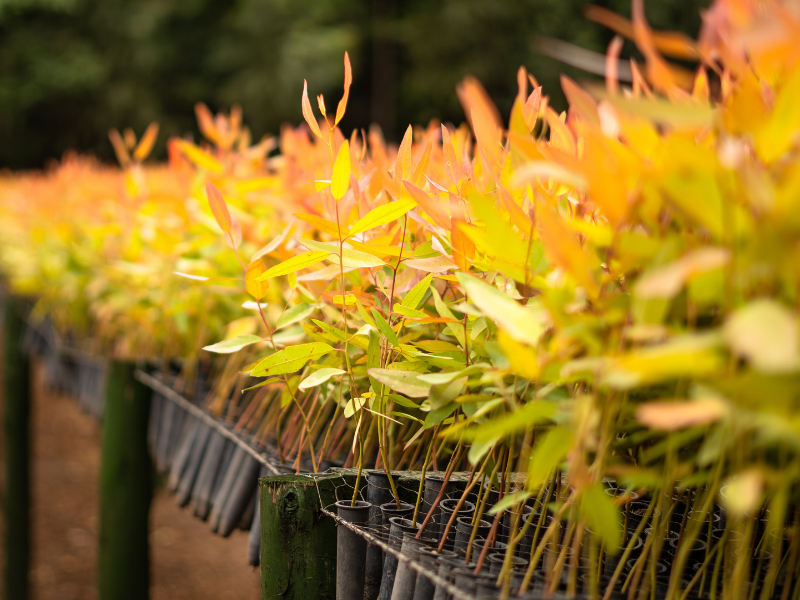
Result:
x=71 y=69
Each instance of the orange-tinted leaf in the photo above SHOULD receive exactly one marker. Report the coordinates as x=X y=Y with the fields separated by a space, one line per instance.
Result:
x=417 y=177
x=402 y=166
x=348 y=80
x=452 y=166
x=463 y=247
x=432 y=206
x=581 y=104
x=563 y=249
x=308 y=113
x=146 y=143
x=219 y=208
x=324 y=225
x=119 y=147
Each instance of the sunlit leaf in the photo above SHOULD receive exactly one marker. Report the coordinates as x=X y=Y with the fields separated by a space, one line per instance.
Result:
x=294 y=264
x=319 y=377
x=404 y=382
x=340 y=180
x=232 y=345
x=290 y=360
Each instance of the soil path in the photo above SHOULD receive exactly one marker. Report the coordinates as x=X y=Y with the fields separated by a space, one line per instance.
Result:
x=187 y=560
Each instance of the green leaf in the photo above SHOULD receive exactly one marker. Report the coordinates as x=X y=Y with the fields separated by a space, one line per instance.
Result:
x=290 y=359
x=440 y=414
x=340 y=180
x=521 y=323
x=318 y=377
x=413 y=299
x=364 y=314
x=295 y=314
x=409 y=312
x=233 y=344
x=385 y=329
x=383 y=215
x=548 y=454
x=402 y=401
x=533 y=413
x=294 y=264
x=404 y=382
x=601 y=516
x=510 y=500
x=262 y=384
x=441 y=378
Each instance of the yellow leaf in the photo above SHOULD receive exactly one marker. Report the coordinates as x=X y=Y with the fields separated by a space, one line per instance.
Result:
x=199 y=157
x=340 y=180
x=294 y=264
x=521 y=358
x=257 y=289
x=382 y=215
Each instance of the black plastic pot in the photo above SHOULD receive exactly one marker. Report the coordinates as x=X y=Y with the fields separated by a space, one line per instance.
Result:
x=405 y=579
x=464 y=532
x=446 y=564
x=433 y=485
x=397 y=527
x=379 y=492
x=477 y=548
x=496 y=560
x=611 y=561
x=447 y=508
x=508 y=521
x=428 y=557
x=351 y=551
x=696 y=552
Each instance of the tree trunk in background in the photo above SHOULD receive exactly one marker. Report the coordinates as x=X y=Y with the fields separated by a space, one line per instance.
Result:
x=384 y=66
x=16 y=373
x=125 y=488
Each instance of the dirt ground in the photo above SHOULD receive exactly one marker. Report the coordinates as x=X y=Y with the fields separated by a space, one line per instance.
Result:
x=187 y=560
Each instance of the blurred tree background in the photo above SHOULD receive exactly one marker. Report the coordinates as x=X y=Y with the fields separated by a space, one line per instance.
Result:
x=72 y=69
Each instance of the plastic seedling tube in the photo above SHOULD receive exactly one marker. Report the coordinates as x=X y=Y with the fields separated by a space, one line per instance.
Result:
x=244 y=483
x=189 y=476
x=164 y=432
x=397 y=527
x=156 y=408
x=213 y=456
x=496 y=560
x=351 y=551
x=178 y=431
x=254 y=539
x=424 y=589
x=406 y=578
x=246 y=519
x=464 y=527
x=228 y=480
x=433 y=485
x=182 y=455
x=379 y=492
x=447 y=507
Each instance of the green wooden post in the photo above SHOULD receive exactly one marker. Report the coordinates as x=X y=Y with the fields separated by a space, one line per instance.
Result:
x=298 y=542
x=17 y=451
x=125 y=488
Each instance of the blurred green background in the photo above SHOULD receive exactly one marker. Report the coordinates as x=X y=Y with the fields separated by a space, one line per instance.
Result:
x=71 y=69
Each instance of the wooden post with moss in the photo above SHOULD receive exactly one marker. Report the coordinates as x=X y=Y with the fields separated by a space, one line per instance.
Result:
x=298 y=541
x=125 y=488
x=16 y=373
